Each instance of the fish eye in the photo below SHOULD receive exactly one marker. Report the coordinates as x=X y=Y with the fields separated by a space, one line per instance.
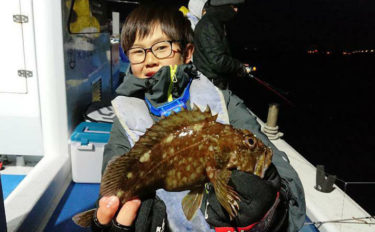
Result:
x=250 y=141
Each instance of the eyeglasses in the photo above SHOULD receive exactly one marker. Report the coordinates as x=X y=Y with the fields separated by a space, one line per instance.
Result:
x=160 y=50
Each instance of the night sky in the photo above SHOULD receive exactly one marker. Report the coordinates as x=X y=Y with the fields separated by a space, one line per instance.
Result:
x=290 y=24
x=331 y=123
x=295 y=24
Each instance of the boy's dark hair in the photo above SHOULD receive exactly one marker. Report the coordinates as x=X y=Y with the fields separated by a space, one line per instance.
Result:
x=141 y=21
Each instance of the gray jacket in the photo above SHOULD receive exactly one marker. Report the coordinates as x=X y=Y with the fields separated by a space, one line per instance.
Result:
x=239 y=117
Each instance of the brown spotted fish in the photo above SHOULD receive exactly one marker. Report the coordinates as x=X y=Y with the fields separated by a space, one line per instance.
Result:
x=183 y=152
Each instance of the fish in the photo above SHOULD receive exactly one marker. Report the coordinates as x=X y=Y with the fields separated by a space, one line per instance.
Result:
x=184 y=151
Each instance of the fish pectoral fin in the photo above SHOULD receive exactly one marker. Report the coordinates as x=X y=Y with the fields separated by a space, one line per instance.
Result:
x=225 y=194
x=192 y=202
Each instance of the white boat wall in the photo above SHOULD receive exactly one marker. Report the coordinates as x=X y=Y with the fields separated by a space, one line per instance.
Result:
x=47 y=84
x=42 y=106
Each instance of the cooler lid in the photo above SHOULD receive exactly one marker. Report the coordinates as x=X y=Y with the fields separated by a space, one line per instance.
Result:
x=95 y=132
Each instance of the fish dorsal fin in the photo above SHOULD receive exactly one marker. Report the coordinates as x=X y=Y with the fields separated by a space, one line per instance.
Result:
x=170 y=124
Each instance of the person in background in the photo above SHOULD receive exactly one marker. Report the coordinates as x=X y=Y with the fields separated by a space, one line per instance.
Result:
x=195 y=11
x=212 y=55
x=158 y=41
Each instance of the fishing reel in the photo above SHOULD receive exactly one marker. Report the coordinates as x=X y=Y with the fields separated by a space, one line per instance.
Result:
x=250 y=69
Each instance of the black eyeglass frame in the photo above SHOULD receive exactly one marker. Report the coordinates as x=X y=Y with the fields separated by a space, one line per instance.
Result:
x=150 y=49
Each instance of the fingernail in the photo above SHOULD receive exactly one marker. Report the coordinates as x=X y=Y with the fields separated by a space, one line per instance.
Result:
x=111 y=201
x=137 y=201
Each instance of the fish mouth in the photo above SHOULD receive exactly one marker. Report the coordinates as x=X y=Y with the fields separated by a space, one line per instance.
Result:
x=263 y=163
x=267 y=160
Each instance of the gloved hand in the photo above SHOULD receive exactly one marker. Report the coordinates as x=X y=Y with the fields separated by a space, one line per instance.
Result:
x=151 y=215
x=257 y=197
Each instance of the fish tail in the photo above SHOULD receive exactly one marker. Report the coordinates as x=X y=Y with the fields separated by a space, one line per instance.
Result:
x=84 y=219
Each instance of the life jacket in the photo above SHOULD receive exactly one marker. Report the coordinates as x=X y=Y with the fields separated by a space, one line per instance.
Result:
x=135 y=118
x=134 y=115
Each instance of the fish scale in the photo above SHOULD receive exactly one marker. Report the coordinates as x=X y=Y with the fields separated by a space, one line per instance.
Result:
x=183 y=152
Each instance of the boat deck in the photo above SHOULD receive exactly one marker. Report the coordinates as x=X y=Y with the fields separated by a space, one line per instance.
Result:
x=9 y=183
x=81 y=197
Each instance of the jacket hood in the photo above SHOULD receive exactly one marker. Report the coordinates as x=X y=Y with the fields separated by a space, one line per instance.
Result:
x=221 y=13
x=156 y=88
x=196 y=7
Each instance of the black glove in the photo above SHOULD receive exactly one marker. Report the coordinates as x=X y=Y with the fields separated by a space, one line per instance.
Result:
x=151 y=215
x=257 y=197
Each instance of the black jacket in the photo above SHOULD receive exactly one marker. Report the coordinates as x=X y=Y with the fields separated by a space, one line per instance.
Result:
x=212 y=55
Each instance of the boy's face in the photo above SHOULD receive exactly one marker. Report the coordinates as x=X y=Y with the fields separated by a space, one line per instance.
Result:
x=151 y=64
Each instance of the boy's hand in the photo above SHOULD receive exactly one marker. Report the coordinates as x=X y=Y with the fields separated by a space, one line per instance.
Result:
x=150 y=215
x=108 y=207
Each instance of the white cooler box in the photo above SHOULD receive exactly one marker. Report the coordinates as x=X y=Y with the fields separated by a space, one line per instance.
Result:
x=86 y=149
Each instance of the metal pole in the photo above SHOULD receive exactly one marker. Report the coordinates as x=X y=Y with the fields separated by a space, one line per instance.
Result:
x=273 y=111
x=270 y=128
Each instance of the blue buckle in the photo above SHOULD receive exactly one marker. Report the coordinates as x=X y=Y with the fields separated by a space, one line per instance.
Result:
x=173 y=106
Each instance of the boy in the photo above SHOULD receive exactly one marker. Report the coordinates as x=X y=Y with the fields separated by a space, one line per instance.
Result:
x=158 y=41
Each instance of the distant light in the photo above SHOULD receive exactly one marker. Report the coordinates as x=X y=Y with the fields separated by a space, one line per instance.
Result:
x=328 y=53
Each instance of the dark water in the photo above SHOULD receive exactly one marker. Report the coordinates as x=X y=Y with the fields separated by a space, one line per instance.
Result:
x=333 y=121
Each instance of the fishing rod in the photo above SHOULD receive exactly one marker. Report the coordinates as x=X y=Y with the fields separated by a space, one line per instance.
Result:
x=353 y=220
x=267 y=85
